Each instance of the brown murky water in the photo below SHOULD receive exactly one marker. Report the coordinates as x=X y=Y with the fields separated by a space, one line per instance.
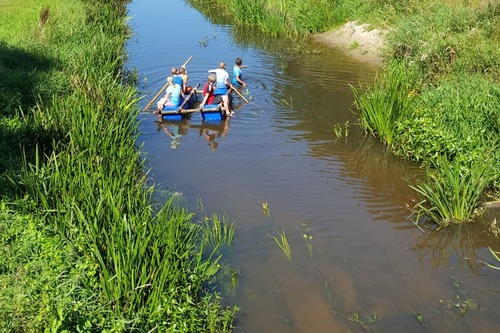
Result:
x=358 y=264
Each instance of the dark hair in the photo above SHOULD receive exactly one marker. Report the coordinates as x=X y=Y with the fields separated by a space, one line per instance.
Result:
x=238 y=61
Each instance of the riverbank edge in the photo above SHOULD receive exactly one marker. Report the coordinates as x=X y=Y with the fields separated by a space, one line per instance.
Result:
x=358 y=40
x=46 y=231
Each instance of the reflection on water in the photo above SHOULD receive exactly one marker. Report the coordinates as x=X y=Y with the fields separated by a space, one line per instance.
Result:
x=210 y=131
x=362 y=258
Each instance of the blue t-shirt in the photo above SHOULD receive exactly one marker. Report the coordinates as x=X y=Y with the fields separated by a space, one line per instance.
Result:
x=175 y=94
x=236 y=74
x=178 y=79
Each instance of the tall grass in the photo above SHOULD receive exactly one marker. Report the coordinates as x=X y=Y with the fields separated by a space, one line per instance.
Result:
x=277 y=17
x=452 y=192
x=131 y=266
x=385 y=105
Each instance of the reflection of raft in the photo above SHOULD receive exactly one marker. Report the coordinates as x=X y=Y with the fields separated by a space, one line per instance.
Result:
x=191 y=105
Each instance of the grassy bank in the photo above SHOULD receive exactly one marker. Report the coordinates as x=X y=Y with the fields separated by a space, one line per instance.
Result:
x=82 y=247
x=437 y=99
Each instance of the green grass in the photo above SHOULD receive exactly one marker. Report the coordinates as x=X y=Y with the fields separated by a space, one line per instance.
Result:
x=283 y=244
x=385 y=105
x=452 y=192
x=79 y=232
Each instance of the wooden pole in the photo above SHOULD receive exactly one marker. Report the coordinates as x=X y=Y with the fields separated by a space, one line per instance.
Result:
x=164 y=87
x=187 y=61
x=236 y=91
x=188 y=97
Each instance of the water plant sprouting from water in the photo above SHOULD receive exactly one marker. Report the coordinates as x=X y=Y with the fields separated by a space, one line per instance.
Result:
x=341 y=130
x=451 y=192
x=217 y=231
x=308 y=238
x=363 y=321
x=283 y=244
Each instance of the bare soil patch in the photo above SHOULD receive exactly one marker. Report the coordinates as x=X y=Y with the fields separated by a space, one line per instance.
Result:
x=357 y=40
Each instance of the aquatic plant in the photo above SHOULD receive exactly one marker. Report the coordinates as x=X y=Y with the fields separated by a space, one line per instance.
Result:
x=283 y=243
x=217 y=231
x=341 y=130
x=452 y=191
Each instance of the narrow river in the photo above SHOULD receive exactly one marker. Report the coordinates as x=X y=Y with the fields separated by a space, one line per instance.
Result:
x=357 y=263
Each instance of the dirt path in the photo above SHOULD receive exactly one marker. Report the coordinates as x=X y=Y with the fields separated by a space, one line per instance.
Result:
x=357 y=40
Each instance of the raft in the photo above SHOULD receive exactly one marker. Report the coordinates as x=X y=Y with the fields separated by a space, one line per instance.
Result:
x=191 y=104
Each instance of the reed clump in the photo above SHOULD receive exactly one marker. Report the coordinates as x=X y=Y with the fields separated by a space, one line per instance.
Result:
x=385 y=105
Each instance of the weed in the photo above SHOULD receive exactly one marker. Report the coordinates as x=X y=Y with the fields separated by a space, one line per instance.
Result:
x=283 y=244
x=452 y=192
x=287 y=103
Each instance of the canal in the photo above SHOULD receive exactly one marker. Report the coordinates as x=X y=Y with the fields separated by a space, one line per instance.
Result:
x=358 y=263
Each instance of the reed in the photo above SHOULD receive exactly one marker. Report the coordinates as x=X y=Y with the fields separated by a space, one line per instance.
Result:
x=283 y=244
x=452 y=192
x=385 y=105
x=217 y=231
x=130 y=266
x=496 y=255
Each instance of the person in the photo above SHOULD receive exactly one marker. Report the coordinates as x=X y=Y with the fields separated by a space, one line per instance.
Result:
x=237 y=74
x=208 y=92
x=172 y=95
x=222 y=86
x=177 y=77
x=183 y=74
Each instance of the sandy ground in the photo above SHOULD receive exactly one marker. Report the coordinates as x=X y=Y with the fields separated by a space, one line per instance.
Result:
x=357 y=40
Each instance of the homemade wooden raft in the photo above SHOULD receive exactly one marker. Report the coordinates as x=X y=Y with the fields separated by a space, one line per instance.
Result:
x=191 y=105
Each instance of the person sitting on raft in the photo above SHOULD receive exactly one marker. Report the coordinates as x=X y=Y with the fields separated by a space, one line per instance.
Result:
x=223 y=86
x=183 y=74
x=208 y=93
x=178 y=79
x=172 y=95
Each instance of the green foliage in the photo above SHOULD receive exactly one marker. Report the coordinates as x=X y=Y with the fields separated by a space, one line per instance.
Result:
x=452 y=39
x=91 y=252
x=384 y=106
x=458 y=119
x=283 y=244
x=452 y=192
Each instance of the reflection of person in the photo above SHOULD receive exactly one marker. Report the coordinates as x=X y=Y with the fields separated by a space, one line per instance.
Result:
x=223 y=85
x=237 y=74
x=210 y=138
x=174 y=135
x=211 y=132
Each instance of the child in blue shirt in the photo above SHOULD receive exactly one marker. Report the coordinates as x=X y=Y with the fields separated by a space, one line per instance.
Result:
x=237 y=74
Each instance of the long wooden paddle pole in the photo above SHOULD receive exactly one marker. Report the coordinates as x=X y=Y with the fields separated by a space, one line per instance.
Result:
x=164 y=87
x=187 y=61
x=236 y=91
x=188 y=97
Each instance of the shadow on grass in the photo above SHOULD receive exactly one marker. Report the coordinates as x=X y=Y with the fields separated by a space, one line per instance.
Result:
x=24 y=79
